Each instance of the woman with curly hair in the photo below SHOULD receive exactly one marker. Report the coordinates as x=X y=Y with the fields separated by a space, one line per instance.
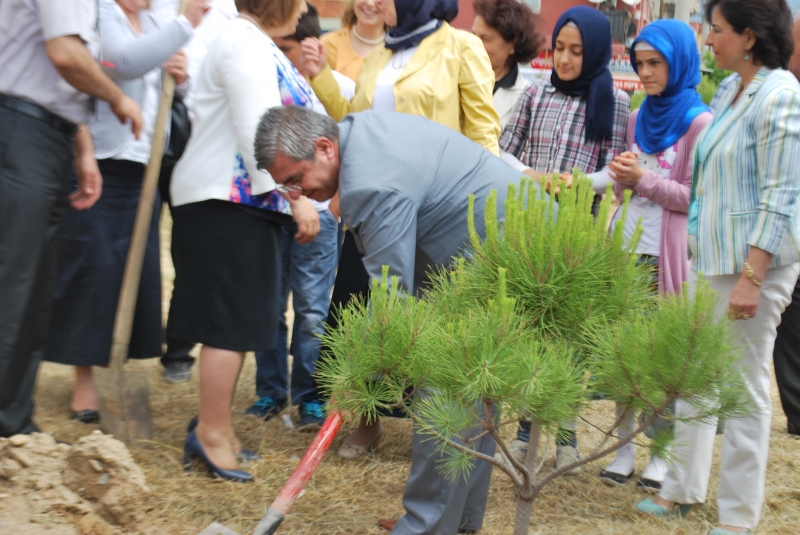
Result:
x=507 y=29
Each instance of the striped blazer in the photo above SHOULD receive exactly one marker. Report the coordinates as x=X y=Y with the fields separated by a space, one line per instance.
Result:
x=746 y=177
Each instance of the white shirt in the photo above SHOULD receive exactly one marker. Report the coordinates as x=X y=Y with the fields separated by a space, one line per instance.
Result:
x=139 y=149
x=25 y=69
x=642 y=207
x=383 y=97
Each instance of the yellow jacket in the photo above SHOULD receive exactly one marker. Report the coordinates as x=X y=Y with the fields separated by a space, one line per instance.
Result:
x=449 y=80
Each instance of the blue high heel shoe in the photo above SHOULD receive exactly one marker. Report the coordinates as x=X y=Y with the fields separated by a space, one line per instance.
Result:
x=650 y=507
x=243 y=455
x=193 y=450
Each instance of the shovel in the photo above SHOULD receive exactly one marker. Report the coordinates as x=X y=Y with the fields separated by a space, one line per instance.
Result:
x=123 y=395
x=291 y=490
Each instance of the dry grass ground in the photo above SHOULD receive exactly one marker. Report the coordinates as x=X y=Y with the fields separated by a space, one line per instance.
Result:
x=349 y=498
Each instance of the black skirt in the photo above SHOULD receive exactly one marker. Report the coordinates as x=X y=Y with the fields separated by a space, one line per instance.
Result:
x=227 y=276
x=92 y=254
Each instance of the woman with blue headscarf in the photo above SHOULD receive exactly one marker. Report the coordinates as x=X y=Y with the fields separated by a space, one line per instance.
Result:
x=657 y=167
x=576 y=119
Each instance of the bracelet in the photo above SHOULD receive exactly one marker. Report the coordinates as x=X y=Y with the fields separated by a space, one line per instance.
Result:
x=751 y=274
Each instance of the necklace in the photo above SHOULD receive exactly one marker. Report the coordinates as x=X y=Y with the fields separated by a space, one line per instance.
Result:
x=377 y=41
x=255 y=23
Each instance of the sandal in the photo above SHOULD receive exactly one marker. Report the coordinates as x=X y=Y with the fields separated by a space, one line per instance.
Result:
x=650 y=507
x=354 y=452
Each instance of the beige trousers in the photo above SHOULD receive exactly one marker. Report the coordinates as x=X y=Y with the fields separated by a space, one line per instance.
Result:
x=745 y=445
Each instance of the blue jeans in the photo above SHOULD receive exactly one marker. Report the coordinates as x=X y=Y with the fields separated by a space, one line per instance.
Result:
x=308 y=272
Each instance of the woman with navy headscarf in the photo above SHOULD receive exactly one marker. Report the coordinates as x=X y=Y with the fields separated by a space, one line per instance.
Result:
x=576 y=119
x=657 y=167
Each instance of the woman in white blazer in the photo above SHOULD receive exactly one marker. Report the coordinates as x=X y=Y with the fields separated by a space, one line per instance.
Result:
x=507 y=29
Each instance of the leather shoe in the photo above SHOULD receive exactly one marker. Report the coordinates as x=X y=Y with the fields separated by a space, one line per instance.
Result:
x=613 y=479
x=243 y=455
x=387 y=524
x=86 y=416
x=192 y=449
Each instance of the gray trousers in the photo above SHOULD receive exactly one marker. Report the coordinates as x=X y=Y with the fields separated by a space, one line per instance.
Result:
x=436 y=506
x=34 y=163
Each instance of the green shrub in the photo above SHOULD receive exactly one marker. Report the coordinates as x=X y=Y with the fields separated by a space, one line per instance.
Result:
x=636 y=99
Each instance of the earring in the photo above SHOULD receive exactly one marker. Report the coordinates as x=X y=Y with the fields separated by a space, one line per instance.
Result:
x=747 y=56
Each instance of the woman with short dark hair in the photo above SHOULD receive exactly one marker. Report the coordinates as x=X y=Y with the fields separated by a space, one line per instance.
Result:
x=744 y=233
x=507 y=29
x=226 y=220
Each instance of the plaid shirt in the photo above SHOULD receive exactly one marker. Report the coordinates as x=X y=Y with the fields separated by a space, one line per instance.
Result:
x=547 y=131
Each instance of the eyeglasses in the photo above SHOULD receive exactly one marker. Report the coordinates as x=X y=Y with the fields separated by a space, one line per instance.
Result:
x=288 y=188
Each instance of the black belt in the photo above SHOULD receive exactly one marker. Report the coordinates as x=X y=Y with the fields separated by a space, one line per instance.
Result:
x=37 y=112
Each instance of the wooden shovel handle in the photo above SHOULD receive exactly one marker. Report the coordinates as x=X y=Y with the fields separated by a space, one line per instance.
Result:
x=123 y=323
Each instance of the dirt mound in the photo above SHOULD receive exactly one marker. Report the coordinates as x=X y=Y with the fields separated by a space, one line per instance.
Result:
x=91 y=488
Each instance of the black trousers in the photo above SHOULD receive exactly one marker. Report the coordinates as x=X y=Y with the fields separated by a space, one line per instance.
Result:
x=177 y=349
x=35 y=159
x=786 y=357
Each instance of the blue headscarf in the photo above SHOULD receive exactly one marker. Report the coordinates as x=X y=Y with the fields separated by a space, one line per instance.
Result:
x=417 y=19
x=665 y=118
x=595 y=82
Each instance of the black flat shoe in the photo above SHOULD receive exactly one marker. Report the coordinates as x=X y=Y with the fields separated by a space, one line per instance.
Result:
x=193 y=450
x=613 y=479
x=648 y=485
x=242 y=456
x=86 y=416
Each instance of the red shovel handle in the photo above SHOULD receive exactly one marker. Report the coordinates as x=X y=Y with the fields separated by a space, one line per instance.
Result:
x=270 y=522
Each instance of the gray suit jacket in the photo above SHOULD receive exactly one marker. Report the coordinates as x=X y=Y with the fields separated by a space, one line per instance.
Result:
x=404 y=184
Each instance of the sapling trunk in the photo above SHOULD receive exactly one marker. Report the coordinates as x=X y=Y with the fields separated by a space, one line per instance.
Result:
x=526 y=496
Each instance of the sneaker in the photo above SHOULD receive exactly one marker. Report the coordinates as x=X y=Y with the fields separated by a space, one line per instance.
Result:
x=312 y=416
x=567 y=455
x=517 y=448
x=266 y=408
x=178 y=372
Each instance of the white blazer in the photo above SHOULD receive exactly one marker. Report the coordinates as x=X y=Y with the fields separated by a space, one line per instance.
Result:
x=504 y=100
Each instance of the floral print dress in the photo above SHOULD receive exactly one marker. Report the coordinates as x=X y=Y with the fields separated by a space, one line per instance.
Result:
x=294 y=91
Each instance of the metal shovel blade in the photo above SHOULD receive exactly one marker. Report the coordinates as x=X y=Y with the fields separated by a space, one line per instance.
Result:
x=123 y=397
x=218 y=529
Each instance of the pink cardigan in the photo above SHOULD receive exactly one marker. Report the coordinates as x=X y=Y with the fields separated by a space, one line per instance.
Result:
x=673 y=195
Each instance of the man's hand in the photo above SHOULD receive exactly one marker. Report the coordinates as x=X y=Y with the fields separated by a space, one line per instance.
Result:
x=76 y=65
x=314 y=56
x=126 y=108
x=625 y=169
x=307 y=219
x=90 y=182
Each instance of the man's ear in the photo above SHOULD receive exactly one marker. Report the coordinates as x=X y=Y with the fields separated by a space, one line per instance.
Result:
x=326 y=147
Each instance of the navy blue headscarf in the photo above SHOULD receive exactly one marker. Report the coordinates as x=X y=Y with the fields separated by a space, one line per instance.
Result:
x=595 y=82
x=664 y=119
x=417 y=19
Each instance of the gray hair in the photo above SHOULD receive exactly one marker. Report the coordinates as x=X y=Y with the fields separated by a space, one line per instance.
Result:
x=292 y=131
